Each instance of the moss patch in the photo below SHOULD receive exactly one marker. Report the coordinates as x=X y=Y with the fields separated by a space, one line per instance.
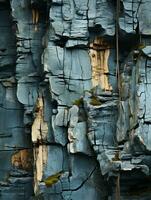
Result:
x=95 y=101
x=78 y=102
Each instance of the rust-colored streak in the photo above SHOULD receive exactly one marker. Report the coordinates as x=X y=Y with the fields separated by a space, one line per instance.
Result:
x=40 y=160
x=35 y=17
x=22 y=159
x=39 y=136
x=39 y=127
x=99 y=54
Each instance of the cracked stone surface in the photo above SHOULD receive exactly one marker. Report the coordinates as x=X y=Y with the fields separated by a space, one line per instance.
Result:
x=75 y=93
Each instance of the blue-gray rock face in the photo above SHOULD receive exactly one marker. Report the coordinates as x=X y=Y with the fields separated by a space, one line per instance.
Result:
x=75 y=93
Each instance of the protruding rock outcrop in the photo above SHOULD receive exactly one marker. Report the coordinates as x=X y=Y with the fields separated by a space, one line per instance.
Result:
x=75 y=111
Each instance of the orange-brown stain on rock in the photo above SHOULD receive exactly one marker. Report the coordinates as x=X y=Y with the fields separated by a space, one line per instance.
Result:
x=39 y=127
x=23 y=159
x=35 y=17
x=40 y=161
x=39 y=137
x=99 y=54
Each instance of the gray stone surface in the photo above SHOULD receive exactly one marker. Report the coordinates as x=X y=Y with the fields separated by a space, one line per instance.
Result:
x=75 y=111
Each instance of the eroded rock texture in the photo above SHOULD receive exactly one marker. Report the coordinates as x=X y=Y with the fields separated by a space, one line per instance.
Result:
x=75 y=93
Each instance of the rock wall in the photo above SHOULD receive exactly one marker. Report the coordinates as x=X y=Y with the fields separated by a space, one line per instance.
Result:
x=75 y=111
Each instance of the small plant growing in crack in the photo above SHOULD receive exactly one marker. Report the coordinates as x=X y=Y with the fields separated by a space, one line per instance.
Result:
x=95 y=101
x=78 y=102
x=51 y=180
x=116 y=156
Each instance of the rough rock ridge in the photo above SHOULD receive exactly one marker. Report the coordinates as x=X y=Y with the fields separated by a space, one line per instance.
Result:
x=75 y=92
